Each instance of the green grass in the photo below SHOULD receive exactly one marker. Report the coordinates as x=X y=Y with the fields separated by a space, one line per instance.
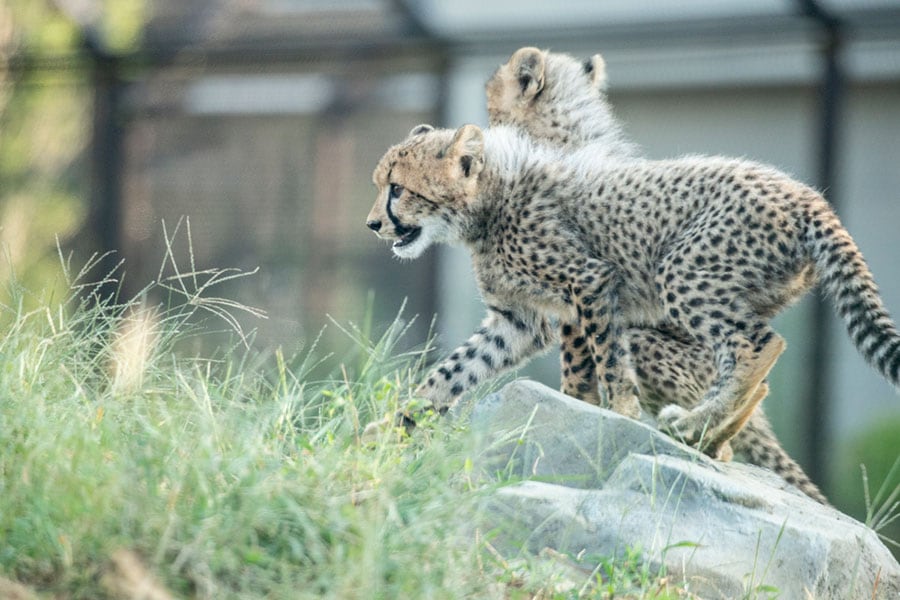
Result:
x=125 y=463
x=868 y=480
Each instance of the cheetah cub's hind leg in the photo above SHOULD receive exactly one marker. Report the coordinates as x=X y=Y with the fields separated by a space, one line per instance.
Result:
x=711 y=426
x=719 y=444
x=579 y=377
x=595 y=296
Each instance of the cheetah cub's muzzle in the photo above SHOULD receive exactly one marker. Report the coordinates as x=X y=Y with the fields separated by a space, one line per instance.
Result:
x=407 y=235
x=402 y=234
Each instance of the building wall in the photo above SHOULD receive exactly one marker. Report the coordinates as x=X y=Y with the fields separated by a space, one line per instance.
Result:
x=277 y=176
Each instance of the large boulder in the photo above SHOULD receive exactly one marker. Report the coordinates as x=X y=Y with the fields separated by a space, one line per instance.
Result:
x=594 y=483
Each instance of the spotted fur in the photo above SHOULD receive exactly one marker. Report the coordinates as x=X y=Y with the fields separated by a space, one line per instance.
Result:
x=708 y=247
x=560 y=100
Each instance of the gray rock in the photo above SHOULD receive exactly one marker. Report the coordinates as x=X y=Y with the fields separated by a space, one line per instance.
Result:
x=595 y=483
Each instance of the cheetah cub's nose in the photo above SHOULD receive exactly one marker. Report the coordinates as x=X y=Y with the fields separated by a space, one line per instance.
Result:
x=374 y=225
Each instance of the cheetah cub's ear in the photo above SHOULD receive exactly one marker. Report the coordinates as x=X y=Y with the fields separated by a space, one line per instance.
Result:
x=595 y=66
x=528 y=67
x=420 y=129
x=466 y=152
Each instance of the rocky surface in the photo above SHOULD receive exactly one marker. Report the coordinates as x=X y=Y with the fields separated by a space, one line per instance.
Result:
x=595 y=483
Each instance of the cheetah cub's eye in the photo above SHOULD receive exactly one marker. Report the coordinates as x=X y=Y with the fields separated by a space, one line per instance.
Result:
x=396 y=190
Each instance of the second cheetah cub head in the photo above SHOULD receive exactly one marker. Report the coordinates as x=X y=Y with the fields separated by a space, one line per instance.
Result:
x=425 y=185
x=555 y=98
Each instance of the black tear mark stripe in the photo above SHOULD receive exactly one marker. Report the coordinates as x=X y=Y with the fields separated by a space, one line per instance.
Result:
x=399 y=227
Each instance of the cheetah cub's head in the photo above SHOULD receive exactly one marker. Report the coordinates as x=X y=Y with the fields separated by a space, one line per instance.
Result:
x=425 y=186
x=552 y=97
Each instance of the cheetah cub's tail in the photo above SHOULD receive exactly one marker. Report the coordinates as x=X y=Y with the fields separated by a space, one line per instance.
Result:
x=846 y=278
x=758 y=444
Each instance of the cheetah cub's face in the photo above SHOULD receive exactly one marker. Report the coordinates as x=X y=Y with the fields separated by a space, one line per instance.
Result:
x=425 y=186
x=547 y=94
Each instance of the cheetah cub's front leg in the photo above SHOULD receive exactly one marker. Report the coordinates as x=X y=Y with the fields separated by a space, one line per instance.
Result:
x=596 y=303
x=712 y=429
x=506 y=338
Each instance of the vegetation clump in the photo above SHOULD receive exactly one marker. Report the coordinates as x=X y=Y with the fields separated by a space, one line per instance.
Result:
x=133 y=468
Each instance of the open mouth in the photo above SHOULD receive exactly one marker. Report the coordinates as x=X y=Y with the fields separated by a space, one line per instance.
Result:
x=408 y=237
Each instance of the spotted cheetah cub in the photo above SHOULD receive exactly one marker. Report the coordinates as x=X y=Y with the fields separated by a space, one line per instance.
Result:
x=705 y=246
x=561 y=100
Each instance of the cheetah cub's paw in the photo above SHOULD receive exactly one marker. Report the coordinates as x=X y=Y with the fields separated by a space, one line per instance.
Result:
x=723 y=452
x=692 y=429
x=375 y=431
x=628 y=406
x=682 y=424
x=402 y=424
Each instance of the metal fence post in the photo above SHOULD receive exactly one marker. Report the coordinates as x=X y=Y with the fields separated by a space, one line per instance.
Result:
x=106 y=160
x=831 y=96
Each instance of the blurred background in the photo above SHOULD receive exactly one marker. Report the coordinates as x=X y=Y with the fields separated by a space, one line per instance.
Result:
x=261 y=120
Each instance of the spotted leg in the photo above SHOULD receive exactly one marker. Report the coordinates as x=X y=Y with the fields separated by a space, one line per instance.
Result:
x=595 y=295
x=579 y=376
x=506 y=338
x=729 y=404
x=754 y=390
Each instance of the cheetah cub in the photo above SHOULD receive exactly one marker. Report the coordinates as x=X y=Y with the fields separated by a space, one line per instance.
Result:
x=560 y=100
x=705 y=246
